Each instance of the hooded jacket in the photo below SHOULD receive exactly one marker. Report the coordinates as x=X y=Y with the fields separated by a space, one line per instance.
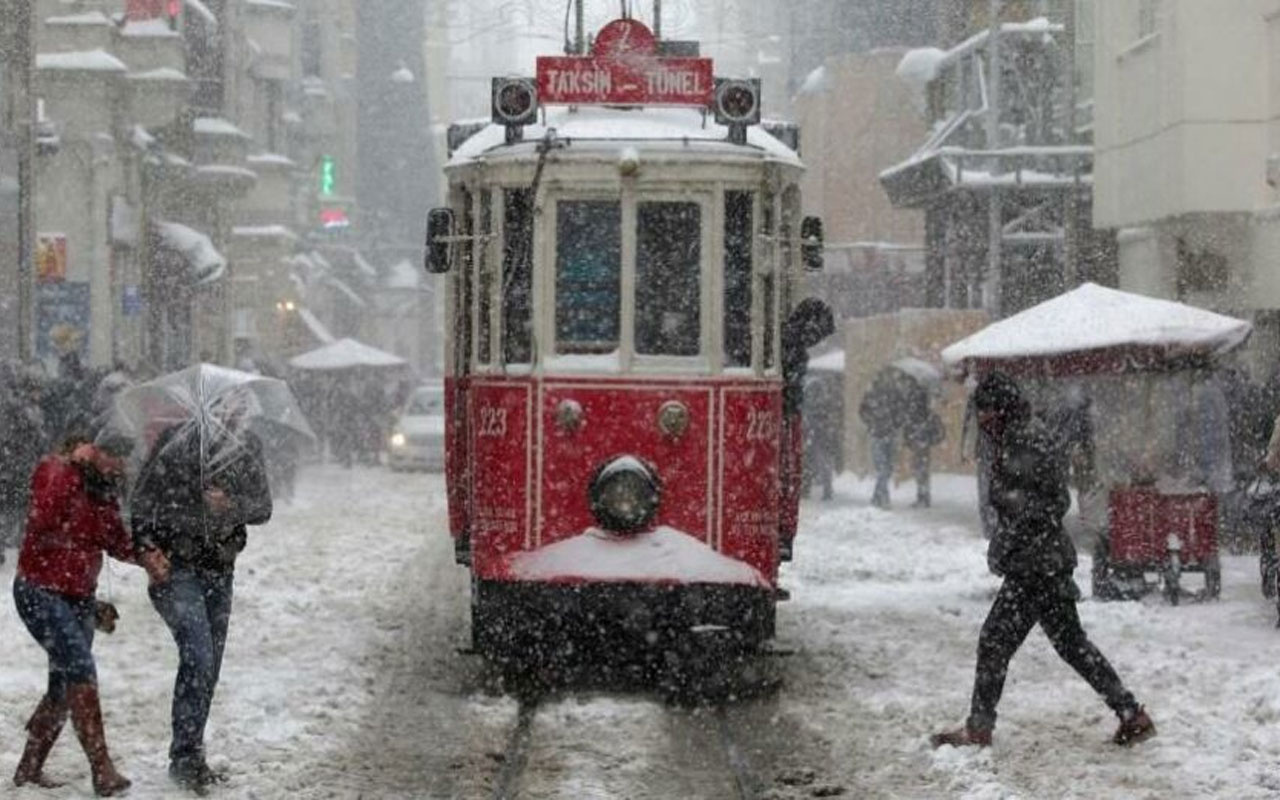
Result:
x=1028 y=491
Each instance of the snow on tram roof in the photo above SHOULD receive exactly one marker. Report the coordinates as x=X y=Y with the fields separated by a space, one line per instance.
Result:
x=626 y=127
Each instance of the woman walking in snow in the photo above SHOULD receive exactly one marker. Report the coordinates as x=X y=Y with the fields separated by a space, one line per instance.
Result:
x=74 y=517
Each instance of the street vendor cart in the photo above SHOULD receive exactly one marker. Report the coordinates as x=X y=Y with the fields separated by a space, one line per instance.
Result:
x=1129 y=384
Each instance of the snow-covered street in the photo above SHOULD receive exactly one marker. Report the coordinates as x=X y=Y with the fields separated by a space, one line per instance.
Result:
x=343 y=675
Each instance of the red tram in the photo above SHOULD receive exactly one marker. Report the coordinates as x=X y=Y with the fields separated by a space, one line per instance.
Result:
x=620 y=268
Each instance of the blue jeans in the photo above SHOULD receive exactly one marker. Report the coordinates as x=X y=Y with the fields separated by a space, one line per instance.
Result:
x=196 y=605
x=63 y=625
x=884 y=452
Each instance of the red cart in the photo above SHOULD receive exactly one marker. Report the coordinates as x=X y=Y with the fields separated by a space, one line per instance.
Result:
x=1166 y=534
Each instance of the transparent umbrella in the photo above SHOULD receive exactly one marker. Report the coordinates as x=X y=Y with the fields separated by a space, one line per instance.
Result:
x=216 y=406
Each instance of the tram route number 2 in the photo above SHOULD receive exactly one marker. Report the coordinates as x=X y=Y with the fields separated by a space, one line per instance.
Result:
x=493 y=422
x=762 y=425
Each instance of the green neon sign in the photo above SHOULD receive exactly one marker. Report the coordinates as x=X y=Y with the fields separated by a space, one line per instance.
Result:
x=328 y=176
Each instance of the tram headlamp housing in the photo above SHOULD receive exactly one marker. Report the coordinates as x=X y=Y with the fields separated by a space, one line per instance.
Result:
x=515 y=101
x=737 y=102
x=624 y=495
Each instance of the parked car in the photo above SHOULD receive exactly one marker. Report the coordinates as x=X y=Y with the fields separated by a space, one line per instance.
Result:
x=417 y=438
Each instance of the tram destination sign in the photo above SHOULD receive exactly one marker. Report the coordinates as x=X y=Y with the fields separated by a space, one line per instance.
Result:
x=624 y=68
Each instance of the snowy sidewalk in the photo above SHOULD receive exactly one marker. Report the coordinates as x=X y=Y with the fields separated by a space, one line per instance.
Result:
x=315 y=601
x=888 y=604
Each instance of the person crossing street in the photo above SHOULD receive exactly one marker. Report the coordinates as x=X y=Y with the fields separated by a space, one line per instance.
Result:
x=1031 y=551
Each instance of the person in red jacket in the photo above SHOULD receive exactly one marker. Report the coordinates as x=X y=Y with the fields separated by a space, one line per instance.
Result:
x=74 y=516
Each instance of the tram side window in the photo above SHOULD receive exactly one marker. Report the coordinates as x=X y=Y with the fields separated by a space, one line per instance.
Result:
x=588 y=275
x=668 y=279
x=738 y=225
x=484 y=285
x=517 y=277
x=465 y=262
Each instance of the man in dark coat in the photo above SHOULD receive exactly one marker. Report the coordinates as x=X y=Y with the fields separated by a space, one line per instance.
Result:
x=1031 y=551
x=191 y=506
x=883 y=412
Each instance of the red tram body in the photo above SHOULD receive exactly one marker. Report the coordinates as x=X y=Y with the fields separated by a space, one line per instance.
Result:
x=617 y=451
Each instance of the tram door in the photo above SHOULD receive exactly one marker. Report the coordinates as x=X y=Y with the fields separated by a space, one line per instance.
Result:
x=458 y=462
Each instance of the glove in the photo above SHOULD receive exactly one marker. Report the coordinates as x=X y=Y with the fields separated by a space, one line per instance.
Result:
x=105 y=616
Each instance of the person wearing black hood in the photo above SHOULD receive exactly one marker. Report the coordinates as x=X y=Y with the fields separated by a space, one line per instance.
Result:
x=810 y=322
x=1031 y=551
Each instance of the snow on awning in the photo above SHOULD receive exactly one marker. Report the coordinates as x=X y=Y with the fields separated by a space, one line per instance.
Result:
x=347 y=291
x=315 y=326
x=403 y=275
x=1093 y=328
x=86 y=61
x=202 y=11
x=217 y=126
x=346 y=354
x=828 y=362
x=206 y=263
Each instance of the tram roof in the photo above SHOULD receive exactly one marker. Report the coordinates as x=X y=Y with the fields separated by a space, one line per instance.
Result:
x=616 y=128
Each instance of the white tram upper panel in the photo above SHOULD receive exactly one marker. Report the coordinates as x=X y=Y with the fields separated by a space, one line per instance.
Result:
x=596 y=132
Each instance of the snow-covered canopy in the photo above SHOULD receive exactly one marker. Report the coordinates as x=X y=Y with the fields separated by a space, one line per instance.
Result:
x=346 y=354
x=828 y=362
x=920 y=66
x=1093 y=321
x=206 y=262
x=87 y=61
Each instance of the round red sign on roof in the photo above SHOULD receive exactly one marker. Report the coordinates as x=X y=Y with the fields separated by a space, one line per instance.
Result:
x=625 y=37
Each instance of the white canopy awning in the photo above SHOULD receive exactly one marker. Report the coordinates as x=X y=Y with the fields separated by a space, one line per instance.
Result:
x=1093 y=319
x=346 y=354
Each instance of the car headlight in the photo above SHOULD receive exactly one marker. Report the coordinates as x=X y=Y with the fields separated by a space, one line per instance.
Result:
x=398 y=440
x=624 y=495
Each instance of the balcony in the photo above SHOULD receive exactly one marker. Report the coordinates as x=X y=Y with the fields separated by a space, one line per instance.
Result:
x=147 y=45
x=157 y=97
x=77 y=32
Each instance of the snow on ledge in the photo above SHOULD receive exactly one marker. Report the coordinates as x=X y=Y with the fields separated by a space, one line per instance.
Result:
x=217 y=126
x=662 y=555
x=88 y=60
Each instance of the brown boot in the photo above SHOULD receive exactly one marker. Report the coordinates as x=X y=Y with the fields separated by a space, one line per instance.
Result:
x=86 y=717
x=42 y=731
x=962 y=737
x=1135 y=727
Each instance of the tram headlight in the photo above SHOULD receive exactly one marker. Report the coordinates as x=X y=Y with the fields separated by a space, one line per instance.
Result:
x=624 y=495
x=737 y=102
x=515 y=101
x=398 y=440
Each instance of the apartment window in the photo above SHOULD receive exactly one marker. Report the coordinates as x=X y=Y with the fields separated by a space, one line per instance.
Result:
x=1148 y=17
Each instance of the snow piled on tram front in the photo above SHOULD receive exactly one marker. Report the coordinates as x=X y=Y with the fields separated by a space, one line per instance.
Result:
x=661 y=555
x=683 y=127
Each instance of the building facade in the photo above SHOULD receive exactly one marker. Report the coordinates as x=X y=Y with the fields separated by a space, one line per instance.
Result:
x=1188 y=153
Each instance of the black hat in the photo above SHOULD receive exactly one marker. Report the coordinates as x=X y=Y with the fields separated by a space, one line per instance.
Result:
x=998 y=392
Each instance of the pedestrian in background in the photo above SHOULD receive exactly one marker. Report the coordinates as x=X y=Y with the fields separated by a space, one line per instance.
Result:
x=197 y=491
x=922 y=431
x=74 y=517
x=882 y=412
x=1032 y=553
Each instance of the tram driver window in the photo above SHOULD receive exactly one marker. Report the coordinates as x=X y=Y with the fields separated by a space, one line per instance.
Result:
x=668 y=279
x=738 y=227
x=588 y=275
x=517 y=277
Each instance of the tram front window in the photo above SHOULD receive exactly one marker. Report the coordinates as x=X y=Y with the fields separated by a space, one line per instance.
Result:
x=668 y=278
x=588 y=275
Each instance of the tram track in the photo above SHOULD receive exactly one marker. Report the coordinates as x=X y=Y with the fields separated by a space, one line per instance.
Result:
x=516 y=755
x=519 y=768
